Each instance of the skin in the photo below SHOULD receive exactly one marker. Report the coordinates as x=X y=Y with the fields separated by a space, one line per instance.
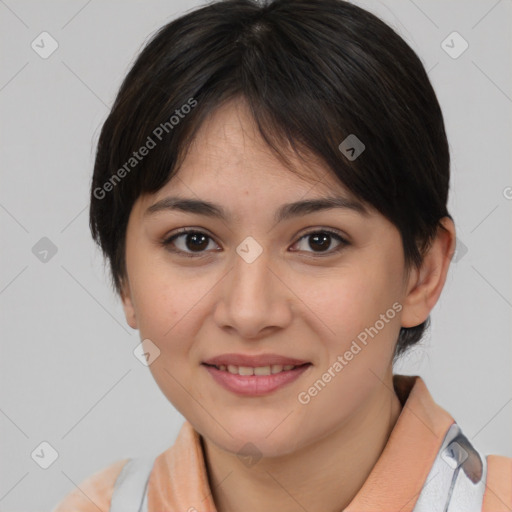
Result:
x=293 y=300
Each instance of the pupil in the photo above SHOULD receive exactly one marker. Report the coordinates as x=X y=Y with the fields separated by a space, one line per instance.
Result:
x=321 y=241
x=198 y=241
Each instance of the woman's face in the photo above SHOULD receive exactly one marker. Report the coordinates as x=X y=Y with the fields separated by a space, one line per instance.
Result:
x=279 y=292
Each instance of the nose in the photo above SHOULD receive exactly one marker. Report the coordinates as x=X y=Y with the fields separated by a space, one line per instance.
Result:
x=253 y=301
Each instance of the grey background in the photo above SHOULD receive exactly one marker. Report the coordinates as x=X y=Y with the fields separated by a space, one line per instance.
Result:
x=68 y=374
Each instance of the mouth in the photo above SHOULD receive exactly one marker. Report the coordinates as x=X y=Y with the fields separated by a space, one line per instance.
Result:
x=254 y=375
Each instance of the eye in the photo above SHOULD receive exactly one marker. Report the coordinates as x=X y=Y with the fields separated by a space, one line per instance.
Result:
x=320 y=241
x=194 y=243
x=191 y=243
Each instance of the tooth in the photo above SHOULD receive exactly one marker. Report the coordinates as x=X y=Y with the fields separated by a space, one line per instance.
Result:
x=258 y=370
x=262 y=370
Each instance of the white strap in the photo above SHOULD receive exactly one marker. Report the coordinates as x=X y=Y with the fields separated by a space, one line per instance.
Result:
x=456 y=482
x=130 y=489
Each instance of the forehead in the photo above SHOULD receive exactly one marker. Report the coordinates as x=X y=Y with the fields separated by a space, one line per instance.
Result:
x=228 y=150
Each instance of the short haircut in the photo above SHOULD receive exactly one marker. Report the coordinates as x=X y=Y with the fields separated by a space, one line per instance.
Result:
x=312 y=73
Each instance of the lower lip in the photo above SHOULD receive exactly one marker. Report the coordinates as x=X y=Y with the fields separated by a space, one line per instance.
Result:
x=255 y=385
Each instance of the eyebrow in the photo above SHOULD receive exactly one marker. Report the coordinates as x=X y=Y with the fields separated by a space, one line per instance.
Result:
x=286 y=211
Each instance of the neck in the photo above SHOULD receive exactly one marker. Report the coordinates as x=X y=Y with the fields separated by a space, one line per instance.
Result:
x=322 y=477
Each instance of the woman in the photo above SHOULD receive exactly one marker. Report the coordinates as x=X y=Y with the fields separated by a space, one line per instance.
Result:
x=270 y=190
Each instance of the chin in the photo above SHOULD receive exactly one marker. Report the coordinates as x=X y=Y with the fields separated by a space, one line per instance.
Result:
x=252 y=436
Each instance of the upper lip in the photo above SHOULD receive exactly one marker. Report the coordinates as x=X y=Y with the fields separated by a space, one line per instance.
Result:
x=253 y=361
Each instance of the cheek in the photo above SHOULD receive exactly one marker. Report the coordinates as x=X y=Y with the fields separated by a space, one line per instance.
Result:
x=156 y=308
x=362 y=345
x=167 y=307
x=346 y=301
x=170 y=308
x=164 y=295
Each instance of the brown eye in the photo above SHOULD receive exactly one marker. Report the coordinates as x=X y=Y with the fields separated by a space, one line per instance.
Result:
x=196 y=241
x=321 y=242
x=188 y=242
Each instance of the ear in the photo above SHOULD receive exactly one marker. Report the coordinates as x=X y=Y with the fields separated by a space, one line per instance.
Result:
x=426 y=283
x=129 y=310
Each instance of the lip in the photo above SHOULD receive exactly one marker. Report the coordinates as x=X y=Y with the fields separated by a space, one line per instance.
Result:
x=253 y=361
x=254 y=385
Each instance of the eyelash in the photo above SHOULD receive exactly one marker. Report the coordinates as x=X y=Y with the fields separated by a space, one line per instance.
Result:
x=167 y=242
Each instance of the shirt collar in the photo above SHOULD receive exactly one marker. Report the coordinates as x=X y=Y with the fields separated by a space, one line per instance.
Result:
x=179 y=479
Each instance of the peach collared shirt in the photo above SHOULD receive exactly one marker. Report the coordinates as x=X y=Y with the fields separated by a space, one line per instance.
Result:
x=179 y=480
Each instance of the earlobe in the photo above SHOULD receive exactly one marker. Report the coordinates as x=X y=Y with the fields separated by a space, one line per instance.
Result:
x=426 y=283
x=129 y=310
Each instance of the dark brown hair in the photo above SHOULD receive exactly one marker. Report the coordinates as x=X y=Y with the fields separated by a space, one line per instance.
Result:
x=312 y=72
